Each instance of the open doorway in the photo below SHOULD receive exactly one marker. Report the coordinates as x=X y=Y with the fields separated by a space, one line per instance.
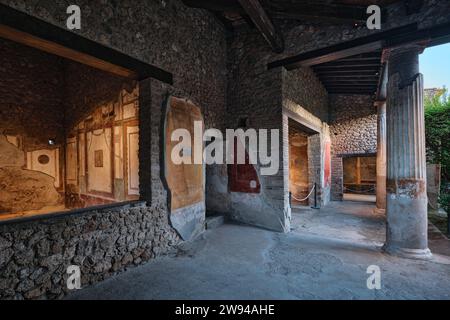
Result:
x=298 y=166
x=304 y=165
x=360 y=178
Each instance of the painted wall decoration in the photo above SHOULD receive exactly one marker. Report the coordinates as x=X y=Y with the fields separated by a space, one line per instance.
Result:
x=298 y=166
x=327 y=164
x=71 y=161
x=99 y=161
x=97 y=164
x=243 y=177
x=28 y=180
x=185 y=181
x=67 y=146
x=45 y=161
x=132 y=136
x=106 y=159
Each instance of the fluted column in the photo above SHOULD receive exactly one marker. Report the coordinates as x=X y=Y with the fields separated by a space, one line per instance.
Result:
x=406 y=207
x=381 y=158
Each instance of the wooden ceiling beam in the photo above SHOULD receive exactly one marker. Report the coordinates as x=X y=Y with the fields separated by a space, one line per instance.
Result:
x=436 y=35
x=259 y=17
x=309 y=11
x=373 y=42
x=363 y=93
x=347 y=72
x=364 y=56
x=30 y=31
x=347 y=86
x=348 y=64
x=347 y=77
x=372 y=82
x=216 y=5
x=373 y=69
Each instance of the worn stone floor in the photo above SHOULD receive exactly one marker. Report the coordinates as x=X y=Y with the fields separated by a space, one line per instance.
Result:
x=326 y=256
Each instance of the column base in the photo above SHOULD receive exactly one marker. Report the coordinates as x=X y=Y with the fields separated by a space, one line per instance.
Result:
x=416 y=254
x=379 y=211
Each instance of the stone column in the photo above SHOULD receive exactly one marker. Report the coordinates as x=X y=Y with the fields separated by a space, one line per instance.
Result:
x=381 y=158
x=406 y=207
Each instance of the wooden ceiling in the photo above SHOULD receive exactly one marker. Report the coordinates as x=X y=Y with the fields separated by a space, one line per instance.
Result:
x=359 y=74
x=348 y=68
x=334 y=11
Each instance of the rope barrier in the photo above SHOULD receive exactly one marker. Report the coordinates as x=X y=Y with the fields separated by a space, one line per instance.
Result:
x=359 y=191
x=309 y=195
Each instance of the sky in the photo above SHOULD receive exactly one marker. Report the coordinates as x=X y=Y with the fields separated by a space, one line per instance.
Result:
x=435 y=66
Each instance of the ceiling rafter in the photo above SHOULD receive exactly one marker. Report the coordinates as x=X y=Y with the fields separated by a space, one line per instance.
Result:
x=263 y=23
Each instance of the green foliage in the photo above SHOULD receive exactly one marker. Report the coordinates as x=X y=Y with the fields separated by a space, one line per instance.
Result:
x=437 y=126
x=444 y=201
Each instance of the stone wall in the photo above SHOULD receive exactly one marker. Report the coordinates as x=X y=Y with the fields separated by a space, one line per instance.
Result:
x=227 y=80
x=189 y=43
x=353 y=125
x=254 y=93
x=34 y=256
x=353 y=120
x=303 y=87
x=306 y=101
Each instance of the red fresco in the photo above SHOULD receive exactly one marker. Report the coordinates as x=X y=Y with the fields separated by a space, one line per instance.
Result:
x=240 y=176
x=327 y=179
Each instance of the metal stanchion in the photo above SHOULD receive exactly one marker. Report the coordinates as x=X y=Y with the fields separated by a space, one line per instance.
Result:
x=291 y=196
x=315 y=197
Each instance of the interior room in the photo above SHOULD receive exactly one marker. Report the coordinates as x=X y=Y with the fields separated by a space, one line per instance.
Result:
x=298 y=166
x=69 y=134
x=360 y=176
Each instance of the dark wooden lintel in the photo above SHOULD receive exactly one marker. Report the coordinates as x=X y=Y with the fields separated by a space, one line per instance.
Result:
x=216 y=5
x=257 y=14
x=373 y=42
x=349 y=64
x=329 y=12
x=373 y=69
x=22 y=28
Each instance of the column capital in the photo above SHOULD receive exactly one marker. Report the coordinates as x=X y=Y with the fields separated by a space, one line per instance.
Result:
x=403 y=62
x=418 y=47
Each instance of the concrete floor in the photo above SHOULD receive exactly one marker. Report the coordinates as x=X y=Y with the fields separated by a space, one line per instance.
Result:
x=360 y=197
x=326 y=256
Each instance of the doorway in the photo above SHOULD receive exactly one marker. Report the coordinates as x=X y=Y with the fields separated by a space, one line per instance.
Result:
x=300 y=168
x=360 y=178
